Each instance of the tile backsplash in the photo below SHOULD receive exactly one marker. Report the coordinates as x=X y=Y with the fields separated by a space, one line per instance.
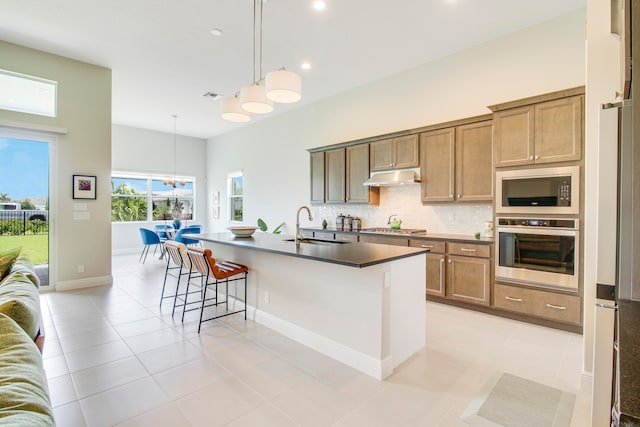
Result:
x=404 y=201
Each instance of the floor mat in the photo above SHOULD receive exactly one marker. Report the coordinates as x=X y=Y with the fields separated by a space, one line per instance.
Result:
x=511 y=401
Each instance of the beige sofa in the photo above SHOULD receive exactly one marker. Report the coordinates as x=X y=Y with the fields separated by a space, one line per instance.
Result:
x=24 y=395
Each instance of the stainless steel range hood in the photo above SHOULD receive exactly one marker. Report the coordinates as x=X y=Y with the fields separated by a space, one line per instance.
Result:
x=395 y=177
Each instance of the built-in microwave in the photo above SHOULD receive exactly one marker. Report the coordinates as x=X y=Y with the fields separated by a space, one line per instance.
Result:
x=538 y=191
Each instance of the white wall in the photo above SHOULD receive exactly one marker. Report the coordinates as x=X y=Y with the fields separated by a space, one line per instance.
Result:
x=84 y=109
x=150 y=152
x=272 y=153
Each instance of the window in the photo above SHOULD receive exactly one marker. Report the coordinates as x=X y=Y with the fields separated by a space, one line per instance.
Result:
x=27 y=94
x=132 y=196
x=235 y=190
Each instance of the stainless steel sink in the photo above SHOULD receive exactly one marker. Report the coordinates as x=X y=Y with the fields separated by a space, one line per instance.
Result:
x=316 y=242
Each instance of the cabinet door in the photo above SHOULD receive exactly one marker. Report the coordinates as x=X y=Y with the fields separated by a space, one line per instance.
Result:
x=474 y=162
x=558 y=134
x=406 y=152
x=437 y=165
x=317 y=177
x=513 y=136
x=435 y=274
x=357 y=173
x=334 y=175
x=381 y=155
x=469 y=279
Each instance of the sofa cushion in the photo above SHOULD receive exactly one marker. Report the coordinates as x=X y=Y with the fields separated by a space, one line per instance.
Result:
x=20 y=300
x=24 y=264
x=7 y=259
x=24 y=396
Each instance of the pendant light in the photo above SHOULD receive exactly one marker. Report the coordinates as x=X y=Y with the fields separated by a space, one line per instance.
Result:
x=230 y=110
x=279 y=86
x=283 y=86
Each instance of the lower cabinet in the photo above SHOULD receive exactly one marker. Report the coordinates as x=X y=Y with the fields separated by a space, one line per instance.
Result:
x=538 y=303
x=469 y=279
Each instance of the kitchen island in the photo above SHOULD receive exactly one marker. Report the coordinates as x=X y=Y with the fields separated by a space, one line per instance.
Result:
x=362 y=304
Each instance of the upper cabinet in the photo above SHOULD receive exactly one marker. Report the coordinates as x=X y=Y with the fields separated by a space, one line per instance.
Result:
x=456 y=163
x=395 y=153
x=541 y=132
x=317 y=177
x=334 y=173
x=338 y=174
x=357 y=172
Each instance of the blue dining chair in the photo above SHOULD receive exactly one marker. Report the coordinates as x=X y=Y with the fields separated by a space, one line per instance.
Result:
x=188 y=230
x=177 y=224
x=149 y=238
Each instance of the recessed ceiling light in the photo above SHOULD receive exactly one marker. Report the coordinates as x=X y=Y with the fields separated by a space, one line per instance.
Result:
x=306 y=66
x=216 y=32
x=319 y=5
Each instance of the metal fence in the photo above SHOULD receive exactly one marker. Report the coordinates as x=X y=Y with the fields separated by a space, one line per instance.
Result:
x=17 y=223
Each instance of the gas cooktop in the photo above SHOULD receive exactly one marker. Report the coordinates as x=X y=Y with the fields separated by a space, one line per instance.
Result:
x=402 y=231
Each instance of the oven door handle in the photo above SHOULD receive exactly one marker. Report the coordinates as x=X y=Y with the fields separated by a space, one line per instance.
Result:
x=538 y=230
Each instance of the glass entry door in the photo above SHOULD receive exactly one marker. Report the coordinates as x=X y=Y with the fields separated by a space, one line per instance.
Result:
x=24 y=199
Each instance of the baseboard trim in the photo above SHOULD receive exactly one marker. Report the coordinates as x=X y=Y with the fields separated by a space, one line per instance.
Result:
x=369 y=365
x=90 y=282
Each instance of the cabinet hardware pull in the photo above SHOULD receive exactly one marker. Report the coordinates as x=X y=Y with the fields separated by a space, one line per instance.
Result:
x=557 y=307
x=537 y=157
x=513 y=299
x=530 y=157
x=459 y=196
x=467 y=250
x=441 y=275
x=427 y=246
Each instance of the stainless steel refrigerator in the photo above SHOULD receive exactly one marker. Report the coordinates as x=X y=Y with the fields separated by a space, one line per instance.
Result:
x=618 y=249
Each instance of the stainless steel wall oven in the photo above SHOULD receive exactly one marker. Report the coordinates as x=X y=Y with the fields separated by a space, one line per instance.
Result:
x=538 y=252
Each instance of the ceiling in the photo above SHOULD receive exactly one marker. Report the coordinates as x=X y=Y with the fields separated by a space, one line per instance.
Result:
x=164 y=57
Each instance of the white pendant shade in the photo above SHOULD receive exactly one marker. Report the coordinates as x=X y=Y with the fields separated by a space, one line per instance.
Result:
x=254 y=100
x=231 y=111
x=283 y=86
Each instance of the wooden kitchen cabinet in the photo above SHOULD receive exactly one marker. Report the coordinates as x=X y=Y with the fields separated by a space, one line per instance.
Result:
x=437 y=154
x=385 y=240
x=543 y=132
x=436 y=268
x=357 y=172
x=456 y=163
x=317 y=177
x=335 y=175
x=539 y=303
x=395 y=153
x=469 y=272
x=474 y=162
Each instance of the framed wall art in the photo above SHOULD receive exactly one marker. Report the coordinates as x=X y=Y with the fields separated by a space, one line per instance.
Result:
x=84 y=187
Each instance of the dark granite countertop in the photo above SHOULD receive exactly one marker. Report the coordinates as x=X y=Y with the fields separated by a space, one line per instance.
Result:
x=419 y=236
x=357 y=255
x=629 y=352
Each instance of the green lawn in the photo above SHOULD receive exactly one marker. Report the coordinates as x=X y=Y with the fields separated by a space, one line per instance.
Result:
x=36 y=247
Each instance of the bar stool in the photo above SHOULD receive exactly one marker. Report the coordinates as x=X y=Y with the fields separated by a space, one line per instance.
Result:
x=211 y=273
x=178 y=266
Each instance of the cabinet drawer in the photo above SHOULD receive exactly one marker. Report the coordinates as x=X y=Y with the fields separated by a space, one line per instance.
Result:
x=307 y=234
x=436 y=246
x=469 y=249
x=344 y=237
x=323 y=235
x=385 y=240
x=534 y=302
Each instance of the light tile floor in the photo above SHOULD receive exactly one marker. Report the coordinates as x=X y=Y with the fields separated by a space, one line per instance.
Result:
x=113 y=358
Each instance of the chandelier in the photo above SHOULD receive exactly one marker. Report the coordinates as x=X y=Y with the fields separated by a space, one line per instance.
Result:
x=280 y=86
x=172 y=181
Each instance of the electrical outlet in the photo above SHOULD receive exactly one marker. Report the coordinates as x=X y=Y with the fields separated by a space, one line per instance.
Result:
x=80 y=268
x=267 y=297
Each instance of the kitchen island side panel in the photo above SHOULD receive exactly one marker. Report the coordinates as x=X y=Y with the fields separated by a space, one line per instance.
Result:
x=369 y=318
